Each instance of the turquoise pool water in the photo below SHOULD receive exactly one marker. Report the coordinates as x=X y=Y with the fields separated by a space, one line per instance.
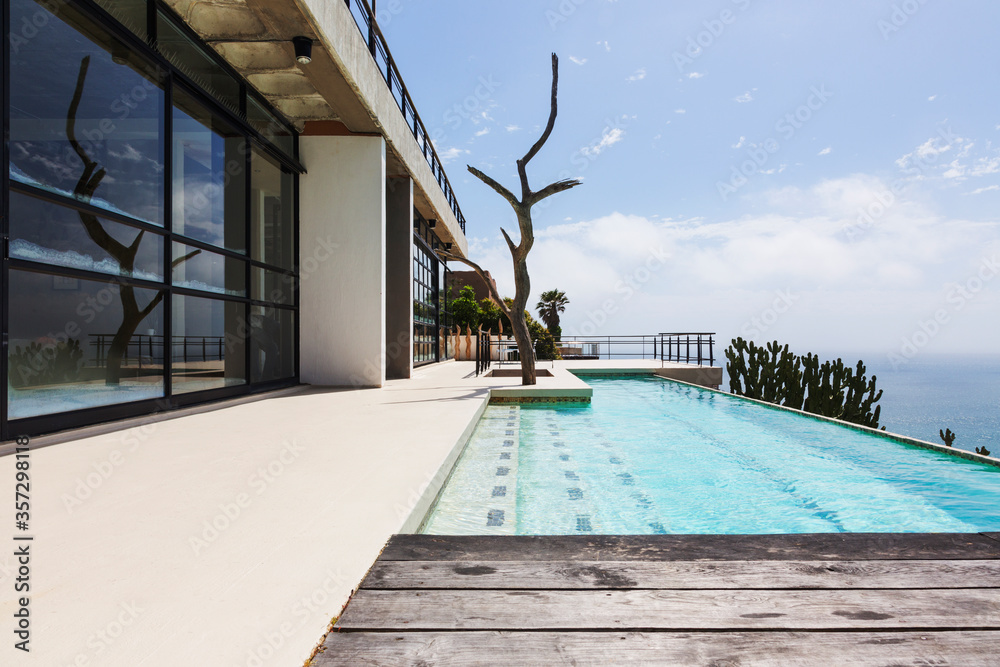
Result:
x=652 y=456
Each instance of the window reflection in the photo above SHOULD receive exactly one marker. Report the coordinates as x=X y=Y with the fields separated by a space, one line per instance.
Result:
x=272 y=354
x=272 y=214
x=41 y=231
x=209 y=176
x=110 y=153
x=202 y=270
x=78 y=344
x=208 y=344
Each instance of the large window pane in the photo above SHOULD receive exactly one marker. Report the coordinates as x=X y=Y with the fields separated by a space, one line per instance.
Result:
x=78 y=344
x=209 y=344
x=41 y=231
x=209 y=176
x=202 y=270
x=196 y=62
x=86 y=115
x=272 y=212
x=272 y=350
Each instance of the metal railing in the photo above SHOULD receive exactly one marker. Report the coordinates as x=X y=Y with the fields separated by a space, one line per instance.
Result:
x=483 y=349
x=148 y=349
x=684 y=348
x=363 y=18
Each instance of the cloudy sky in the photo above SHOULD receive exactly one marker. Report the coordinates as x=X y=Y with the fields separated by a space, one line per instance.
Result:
x=823 y=173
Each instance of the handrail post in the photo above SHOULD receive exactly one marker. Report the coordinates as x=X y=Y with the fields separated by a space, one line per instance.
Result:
x=687 y=349
x=711 y=355
x=699 y=349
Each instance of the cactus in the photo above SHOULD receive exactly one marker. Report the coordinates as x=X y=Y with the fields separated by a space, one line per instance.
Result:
x=982 y=451
x=52 y=363
x=774 y=374
x=947 y=436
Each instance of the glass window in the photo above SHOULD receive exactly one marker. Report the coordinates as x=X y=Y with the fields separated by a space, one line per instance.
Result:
x=209 y=176
x=272 y=286
x=269 y=126
x=199 y=269
x=272 y=350
x=86 y=114
x=272 y=212
x=197 y=62
x=208 y=344
x=78 y=344
x=133 y=14
x=41 y=231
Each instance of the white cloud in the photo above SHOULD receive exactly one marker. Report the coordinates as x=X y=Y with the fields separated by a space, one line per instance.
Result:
x=483 y=132
x=512 y=128
x=695 y=75
x=741 y=143
x=826 y=151
x=577 y=61
x=932 y=98
x=680 y=110
x=604 y=43
x=450 y=154
x=744 y=98
x=851 y=293
x=639 y=75
x=988 y=188
x=609 y=138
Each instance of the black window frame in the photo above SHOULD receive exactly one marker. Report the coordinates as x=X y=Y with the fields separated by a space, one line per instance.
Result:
x=172 y=78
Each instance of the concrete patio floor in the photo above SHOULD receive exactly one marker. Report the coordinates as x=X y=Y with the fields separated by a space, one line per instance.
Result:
x=234 y=535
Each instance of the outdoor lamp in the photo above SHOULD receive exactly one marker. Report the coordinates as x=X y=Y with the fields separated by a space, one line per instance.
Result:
x=303 y=49
x=432 y=222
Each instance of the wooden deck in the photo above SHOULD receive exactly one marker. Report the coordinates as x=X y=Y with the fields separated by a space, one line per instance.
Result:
x=838 y=599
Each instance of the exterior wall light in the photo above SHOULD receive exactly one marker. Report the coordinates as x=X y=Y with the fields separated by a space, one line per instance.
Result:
x=432 y=223
x=303 y=49
x=447 y=246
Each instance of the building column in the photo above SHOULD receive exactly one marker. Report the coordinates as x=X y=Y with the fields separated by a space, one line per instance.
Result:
x=342 y=260
x=399 y=277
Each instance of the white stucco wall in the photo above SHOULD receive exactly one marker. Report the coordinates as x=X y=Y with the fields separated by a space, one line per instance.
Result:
x=342 y=261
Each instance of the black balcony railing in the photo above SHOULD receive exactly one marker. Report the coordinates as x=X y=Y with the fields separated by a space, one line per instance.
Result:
x=684 y=348
x=147 y=349
x=362 y=13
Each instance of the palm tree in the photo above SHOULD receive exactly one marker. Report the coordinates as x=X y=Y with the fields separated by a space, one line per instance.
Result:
x=549 y=306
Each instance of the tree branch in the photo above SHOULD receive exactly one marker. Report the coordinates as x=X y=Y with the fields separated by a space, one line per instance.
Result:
x=523 y=162
x=500 y=190
x=71 y=116
x=482 y=274
x=510 y=244
x=553 y=188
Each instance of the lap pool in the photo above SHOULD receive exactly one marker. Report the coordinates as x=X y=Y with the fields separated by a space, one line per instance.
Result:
x=651 y=456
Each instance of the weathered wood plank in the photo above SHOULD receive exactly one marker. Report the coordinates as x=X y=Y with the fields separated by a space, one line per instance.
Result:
x=754 y=649
x=822 y=546
x=967 y=609
x=535 y=575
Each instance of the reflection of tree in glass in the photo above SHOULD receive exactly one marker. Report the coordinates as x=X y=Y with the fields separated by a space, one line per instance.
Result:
x=86 y=186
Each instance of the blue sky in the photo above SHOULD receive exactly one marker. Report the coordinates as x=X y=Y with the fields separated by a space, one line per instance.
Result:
x=824 y=173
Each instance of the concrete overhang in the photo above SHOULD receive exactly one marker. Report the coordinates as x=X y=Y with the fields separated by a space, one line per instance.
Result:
x=342 y=83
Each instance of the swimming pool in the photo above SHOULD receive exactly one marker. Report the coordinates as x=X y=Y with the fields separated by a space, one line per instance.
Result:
x=650 y=456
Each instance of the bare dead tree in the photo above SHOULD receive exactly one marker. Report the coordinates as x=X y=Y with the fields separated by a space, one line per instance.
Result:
x=519 y=252
x=86 y=186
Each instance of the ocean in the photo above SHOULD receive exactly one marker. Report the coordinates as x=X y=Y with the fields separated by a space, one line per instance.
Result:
x=935 y=392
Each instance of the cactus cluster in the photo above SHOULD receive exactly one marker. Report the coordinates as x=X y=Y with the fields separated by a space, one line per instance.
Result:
x=52 y=363
x=983 y=451
x=774 y=374
x=947 y=436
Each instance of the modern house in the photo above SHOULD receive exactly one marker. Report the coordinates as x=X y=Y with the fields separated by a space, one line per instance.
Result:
x=209 y=199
